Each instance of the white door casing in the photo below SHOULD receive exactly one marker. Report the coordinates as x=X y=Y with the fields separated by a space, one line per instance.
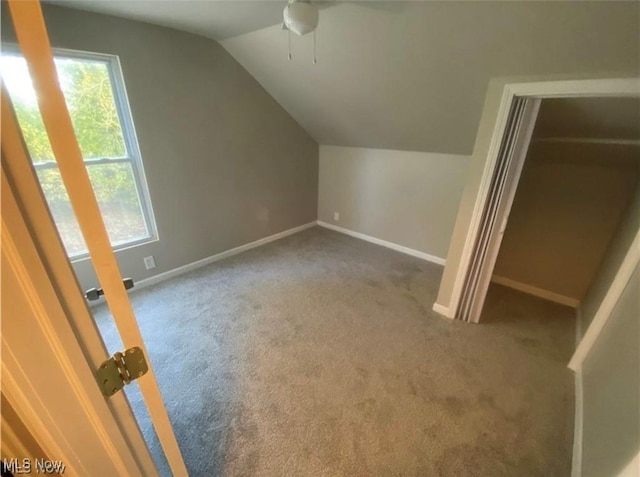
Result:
x=500 y=96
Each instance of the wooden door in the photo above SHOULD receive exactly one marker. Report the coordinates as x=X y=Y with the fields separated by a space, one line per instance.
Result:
x=34 y=44
x=48 y=381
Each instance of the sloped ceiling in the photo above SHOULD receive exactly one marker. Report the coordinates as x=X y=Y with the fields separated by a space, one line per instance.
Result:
x=403 y=75
x=591 y=118
x=414 y=78
x=210 y=18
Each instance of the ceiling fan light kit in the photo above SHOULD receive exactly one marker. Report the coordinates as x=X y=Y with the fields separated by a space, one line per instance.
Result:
x=301 y=17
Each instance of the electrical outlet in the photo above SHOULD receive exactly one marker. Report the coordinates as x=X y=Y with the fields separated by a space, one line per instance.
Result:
x=336 y=216
x=149 y=262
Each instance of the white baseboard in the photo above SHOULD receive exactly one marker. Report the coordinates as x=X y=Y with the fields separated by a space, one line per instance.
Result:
x=219 y=256
x=213 y=258
x=535 y=291
x=442 y=310
x=385 y=243
x=576 y=461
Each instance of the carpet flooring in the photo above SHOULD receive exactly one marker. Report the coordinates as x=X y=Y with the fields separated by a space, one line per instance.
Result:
x=319 y=355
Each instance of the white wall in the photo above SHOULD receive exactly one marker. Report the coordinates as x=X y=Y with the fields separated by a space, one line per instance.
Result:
x=611 y=377
x=608 y=417
x=408 y=198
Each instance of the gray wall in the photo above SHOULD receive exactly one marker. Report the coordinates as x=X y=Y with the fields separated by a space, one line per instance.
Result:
x=570 y=200
x=225 y=164
x=611 y=379
x=408 y=198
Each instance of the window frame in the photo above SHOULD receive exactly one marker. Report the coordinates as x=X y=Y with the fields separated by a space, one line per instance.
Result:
x=133 y=156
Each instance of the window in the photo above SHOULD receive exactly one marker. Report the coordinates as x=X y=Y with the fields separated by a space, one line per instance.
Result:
x=94 y=92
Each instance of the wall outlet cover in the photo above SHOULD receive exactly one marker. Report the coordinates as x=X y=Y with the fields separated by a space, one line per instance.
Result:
x=149 y=262
x=336 y=216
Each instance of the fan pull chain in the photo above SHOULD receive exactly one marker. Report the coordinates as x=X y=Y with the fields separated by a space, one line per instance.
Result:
x=315 y=58
x=289 y=32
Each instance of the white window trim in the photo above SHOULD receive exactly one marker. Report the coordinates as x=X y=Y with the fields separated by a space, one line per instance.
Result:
x=133 y=157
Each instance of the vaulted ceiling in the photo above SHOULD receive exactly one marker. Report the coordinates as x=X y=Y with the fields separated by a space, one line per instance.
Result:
x=608 y=119
x=404 y=75
x=214 y=19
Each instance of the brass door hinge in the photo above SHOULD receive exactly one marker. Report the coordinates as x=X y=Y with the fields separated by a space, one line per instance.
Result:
x=121 y=369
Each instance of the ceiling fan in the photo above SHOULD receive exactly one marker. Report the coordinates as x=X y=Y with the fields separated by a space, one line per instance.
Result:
x=302 y=16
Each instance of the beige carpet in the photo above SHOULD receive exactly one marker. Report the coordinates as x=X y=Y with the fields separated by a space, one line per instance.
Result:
x=319 y=355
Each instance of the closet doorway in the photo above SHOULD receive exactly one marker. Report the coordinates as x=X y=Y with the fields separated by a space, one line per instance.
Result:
x=575 y=125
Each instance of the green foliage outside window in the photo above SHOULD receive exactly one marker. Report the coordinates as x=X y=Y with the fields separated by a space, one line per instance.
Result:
x=89 y=96
x=87 y=89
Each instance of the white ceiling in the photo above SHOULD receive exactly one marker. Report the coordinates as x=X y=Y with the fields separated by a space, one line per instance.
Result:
x=210 y=18
x=402 y=75
x=415 y=78
x=213 y=19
